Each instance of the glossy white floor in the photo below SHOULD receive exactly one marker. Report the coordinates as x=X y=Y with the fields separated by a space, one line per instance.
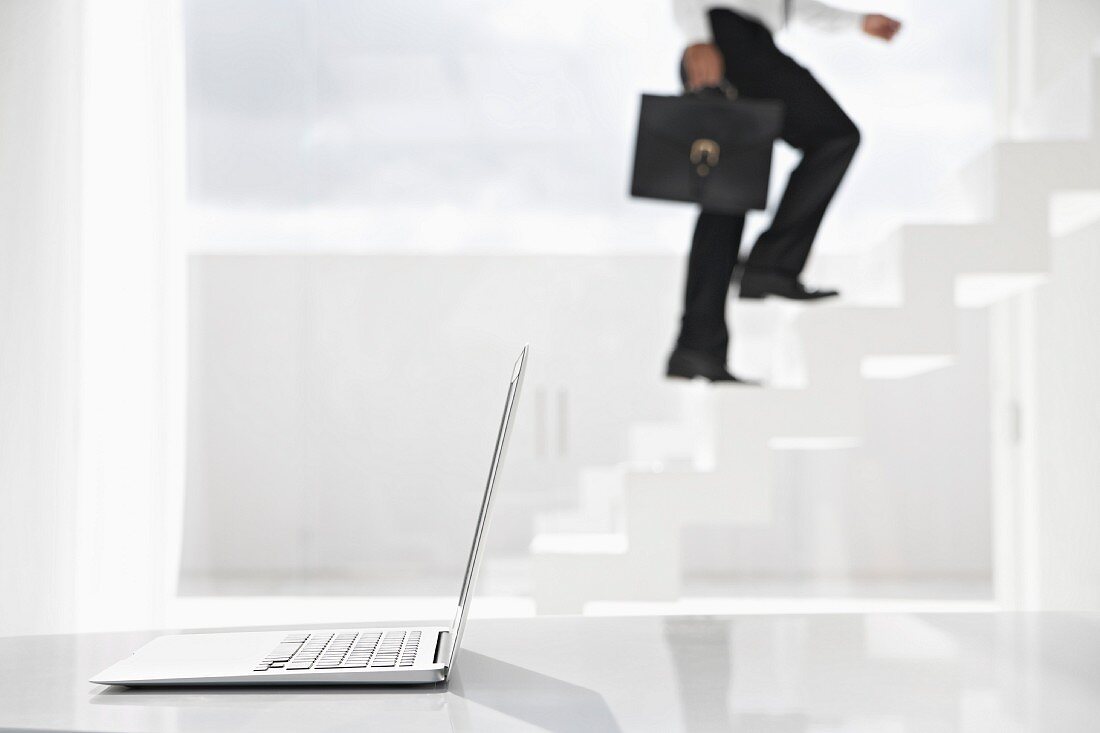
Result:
x=826 y=673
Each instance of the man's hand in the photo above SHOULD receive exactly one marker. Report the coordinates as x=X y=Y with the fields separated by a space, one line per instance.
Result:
x=704 y=66
x=881 y=26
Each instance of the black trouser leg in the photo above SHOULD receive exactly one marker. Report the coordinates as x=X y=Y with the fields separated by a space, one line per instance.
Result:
x=714 y=251
x=813 y=123
x=785 y=246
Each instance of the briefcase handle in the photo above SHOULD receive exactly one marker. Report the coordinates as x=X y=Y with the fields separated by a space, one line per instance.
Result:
x=729 y=91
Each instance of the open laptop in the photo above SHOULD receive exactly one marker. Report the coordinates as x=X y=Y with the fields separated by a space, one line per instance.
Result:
x=393 y=655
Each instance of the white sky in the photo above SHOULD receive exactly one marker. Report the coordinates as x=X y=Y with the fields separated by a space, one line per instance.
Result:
x=507 y=125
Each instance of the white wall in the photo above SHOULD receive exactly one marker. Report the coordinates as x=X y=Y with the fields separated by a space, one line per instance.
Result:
x=1060 y=32
x=1043 y=66
x=39 y=252
x=341 y=409
x=1048 y=536
x=86 y=286
x=131 y=311
x=1068 y=427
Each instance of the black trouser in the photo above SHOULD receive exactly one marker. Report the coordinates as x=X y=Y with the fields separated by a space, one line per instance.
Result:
x=816 y=125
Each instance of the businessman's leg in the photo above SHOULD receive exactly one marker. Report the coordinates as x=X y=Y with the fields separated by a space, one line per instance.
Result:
x=816 y=125
x=713 y=254
x=701 y=348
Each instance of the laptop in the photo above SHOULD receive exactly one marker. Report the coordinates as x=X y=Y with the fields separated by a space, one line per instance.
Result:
x=360 y=656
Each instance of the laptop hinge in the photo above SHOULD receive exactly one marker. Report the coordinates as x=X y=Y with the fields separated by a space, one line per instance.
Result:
x=443 y=647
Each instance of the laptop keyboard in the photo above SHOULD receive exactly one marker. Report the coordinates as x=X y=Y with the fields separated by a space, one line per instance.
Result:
x=343 y=650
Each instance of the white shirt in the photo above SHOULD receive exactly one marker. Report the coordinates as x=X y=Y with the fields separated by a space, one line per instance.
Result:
x=691 y=15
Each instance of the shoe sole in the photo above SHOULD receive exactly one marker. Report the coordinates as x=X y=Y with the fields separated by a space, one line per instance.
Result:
x=739 y=382
x=766 y=296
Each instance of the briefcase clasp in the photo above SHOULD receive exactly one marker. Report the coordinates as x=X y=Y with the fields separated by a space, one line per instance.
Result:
x=704 y=155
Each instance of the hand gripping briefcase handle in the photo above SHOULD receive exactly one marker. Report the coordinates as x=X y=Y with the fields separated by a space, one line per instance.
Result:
x=724 y=87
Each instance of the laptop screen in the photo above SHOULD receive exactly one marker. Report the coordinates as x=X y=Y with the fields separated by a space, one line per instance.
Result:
x=470 y=578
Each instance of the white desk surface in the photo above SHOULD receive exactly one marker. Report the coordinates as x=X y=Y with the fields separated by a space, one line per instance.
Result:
x=880 y=673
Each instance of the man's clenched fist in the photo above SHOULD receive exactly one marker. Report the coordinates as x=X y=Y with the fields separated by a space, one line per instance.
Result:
x=881 y=26
x=704 y=66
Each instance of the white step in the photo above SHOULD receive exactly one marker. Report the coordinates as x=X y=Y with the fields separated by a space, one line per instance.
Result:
x=1072 y=210
x=976 y=263
x=1016 y=176
x=643 y=561
x=836 y=339
x=600 y=505
x=667 y=443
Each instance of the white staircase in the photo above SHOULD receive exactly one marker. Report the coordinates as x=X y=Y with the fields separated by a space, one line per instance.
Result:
x=714 y=467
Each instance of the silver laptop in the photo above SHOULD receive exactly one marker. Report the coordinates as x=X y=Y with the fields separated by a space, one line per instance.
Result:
x=395 y=655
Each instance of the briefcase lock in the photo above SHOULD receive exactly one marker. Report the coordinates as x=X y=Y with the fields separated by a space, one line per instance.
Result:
x=704 y=155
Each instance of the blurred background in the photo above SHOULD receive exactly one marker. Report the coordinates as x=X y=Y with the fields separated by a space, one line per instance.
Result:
x=265 y=266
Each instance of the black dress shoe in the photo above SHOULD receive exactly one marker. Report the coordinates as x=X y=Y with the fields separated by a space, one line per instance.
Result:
x=757 y=285
x=686 y=364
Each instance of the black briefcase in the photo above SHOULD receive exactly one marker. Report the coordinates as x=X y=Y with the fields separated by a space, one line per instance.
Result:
x=706 y=148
